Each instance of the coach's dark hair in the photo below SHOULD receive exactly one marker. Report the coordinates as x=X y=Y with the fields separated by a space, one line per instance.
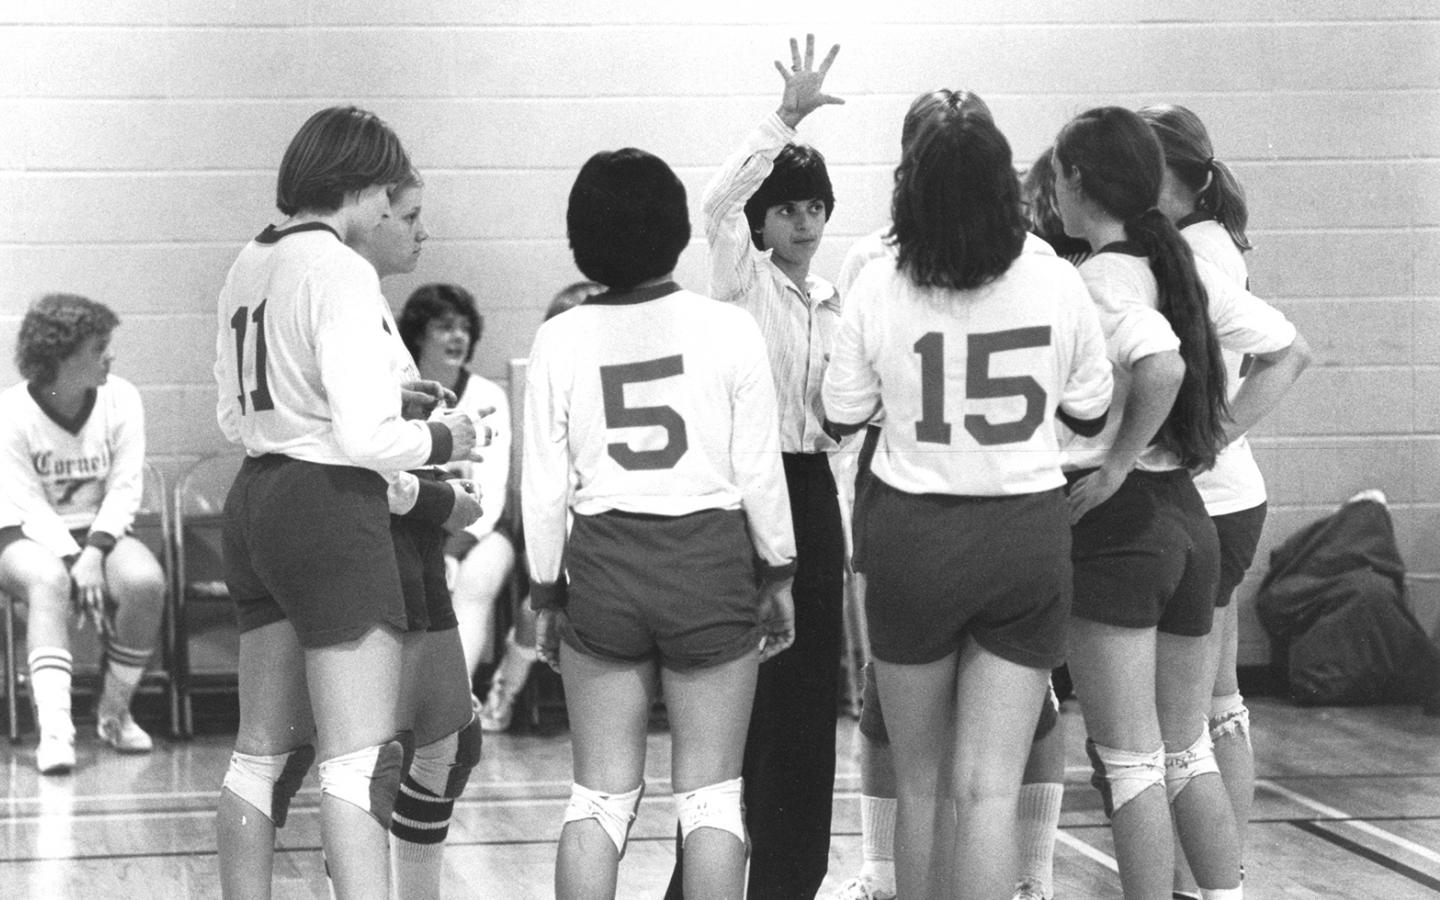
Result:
x=799 y=174
x=429 y=302
x=338 y=150
x=1120 y=165
x=53 y=329
x=943 y=100
x=627 y=219
x=1190 y=156
x=956 y=206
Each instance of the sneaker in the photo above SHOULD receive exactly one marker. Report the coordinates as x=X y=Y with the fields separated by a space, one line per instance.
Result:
x=55 y=755
x=123 y=734
x=862 y=887
x=498 y=710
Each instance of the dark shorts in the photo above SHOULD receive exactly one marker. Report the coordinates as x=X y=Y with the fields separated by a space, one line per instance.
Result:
x=1148 y=557
x=872 y=717
x=1239 y=535
x=311 y=543
x=420 y=561
x=680 y=590
x=940 y=567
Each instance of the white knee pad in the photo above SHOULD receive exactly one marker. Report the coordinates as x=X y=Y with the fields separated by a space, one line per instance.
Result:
x=714 y=806
x=269 y=783
x=1229 y=715
x=614 y=812
x=443 y=767
x=1122 y=775
x=1195 y=760
x=369 y=777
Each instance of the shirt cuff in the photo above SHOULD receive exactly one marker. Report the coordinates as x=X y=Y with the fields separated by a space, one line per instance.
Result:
x=433 y=503
x=769 y=574
x=100 y=540
x=441 y=444
x=554 y=595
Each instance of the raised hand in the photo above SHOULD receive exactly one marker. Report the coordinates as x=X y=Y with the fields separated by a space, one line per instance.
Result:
x=804 y=84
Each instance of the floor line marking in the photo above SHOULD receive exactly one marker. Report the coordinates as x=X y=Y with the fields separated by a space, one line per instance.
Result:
x=1347 y=819
x=1374 y=856
x=1084 y=849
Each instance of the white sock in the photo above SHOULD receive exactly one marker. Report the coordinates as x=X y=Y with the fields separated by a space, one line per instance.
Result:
x=1039 y=817
x=124 y=667
x=50 y=669
x=877 y=827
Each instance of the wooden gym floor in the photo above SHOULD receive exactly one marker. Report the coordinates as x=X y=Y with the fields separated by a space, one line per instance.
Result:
x=1347 y=806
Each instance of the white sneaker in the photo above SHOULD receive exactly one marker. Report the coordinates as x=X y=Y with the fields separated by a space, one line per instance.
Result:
x=862 y=887
x=123 y=734
x=55 y=754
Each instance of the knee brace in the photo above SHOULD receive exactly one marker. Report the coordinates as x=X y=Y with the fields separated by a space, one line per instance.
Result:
x=269 y=783
x=1181 y=768
x=1122 y=775
x=1229 y=715
x=369 y=777
x=614 y=812
x=714 y=806
x=437 y=775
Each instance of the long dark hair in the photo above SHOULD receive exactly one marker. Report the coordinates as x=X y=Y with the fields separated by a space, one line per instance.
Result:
x=1120 y=164
x=1190 y=156
x=956 y=208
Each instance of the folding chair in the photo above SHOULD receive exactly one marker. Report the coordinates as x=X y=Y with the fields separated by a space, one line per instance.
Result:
x=207 y=641
x=152 y=527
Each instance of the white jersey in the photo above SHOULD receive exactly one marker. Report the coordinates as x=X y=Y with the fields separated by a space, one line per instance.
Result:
x=970 y=381
x=304 y=364
x=64 y=476
x=1235 y=482
x=654 y=401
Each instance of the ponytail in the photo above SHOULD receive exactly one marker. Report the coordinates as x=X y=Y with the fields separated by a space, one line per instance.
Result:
x=1193 y=430
x=1189 y=155
x=1224 y=198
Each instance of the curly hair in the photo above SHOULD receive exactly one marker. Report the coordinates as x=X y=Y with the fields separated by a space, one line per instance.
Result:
x=436 y=301
x=54 y=328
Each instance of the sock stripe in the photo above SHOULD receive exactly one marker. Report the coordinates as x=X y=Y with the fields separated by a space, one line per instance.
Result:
x=118 y=654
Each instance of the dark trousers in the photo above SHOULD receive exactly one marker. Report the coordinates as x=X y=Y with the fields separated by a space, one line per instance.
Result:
x=789 y=764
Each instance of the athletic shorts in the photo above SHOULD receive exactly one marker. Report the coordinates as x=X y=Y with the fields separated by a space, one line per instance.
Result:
x=680 y=590
x=1148 y=557
x=940 y=567
x=1239 y=535
x=872 y=717
x=311 y=543
x=420 y=561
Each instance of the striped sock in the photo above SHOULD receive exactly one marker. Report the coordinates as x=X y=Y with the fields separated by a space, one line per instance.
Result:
x=50 y=676
x=124 y=667
x=419 y=825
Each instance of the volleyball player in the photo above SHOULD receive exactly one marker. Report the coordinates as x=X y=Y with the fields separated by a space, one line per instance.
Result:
x=72 y=456
x=650 y=415
x=436 y=704
x=1042 y=790
x=1200 y=195
x=1145 y=553
x=308 y=384
x=972 y=348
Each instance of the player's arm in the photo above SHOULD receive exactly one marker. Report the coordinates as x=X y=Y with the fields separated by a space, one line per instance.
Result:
x=25 y=495
x=1244 y=323
x=851 y=390
x=755 y=456
x=1085 y=398
x=545 y=475
x=125 y=485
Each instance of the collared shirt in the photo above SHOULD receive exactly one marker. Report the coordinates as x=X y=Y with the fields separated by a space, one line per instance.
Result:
x=799 y=327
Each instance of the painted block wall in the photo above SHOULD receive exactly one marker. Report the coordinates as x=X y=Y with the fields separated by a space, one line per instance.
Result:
x=141 y=139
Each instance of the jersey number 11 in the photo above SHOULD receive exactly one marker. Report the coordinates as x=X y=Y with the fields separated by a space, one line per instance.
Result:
x=260 y=397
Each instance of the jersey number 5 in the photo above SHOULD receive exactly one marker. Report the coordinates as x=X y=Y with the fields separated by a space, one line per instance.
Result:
x=260 y=397
x=979 y=385
x=617 y=415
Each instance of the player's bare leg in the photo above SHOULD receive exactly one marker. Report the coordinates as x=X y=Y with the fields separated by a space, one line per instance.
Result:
x=137 y=588
x=479 y=582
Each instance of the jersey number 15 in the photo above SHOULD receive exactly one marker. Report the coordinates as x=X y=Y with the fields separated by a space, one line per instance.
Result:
x=260 y=397
x=979 y=385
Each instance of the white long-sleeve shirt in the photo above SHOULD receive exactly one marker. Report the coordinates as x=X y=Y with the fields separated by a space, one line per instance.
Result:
x=799 y=327
x=61 y=477
x=654 y=401
x=303 y=360
x=970 y=381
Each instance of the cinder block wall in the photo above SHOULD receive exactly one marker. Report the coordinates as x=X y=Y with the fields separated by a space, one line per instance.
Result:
x=141 y=139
